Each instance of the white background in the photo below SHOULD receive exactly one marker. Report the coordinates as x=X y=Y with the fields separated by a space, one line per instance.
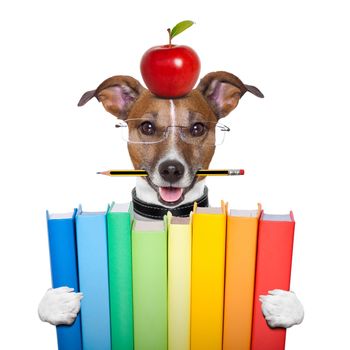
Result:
x=293 y=144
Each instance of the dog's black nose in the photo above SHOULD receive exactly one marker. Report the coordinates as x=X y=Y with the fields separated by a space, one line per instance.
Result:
x=171 y=170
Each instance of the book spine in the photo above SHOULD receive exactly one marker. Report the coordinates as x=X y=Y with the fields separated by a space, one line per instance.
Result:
x=179 y=286
x=149 y=257
x=120 y=280
x=273 y=270
x=241 y=244
x=93 y=279
x=207 y=277
x=64 y=272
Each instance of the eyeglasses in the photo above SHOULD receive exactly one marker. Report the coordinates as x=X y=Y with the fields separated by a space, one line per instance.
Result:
x=148 y=132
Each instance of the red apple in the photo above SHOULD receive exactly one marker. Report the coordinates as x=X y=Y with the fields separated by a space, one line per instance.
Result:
x=171 y=71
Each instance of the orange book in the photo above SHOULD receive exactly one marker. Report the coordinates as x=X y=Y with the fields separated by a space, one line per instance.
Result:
x=241 y=240
x=273 y=270
x=207 y=277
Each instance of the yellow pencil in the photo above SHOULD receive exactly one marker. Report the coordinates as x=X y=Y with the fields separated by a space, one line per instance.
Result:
x=220 y=172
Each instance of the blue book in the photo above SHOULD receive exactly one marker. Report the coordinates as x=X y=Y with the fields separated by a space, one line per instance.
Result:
x=64 y=272
x=93 y=279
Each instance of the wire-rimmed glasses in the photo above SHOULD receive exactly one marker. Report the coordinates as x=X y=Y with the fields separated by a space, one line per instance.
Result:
x=150 y=132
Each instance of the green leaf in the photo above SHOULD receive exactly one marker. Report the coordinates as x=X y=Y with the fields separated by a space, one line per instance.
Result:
x=180 y=27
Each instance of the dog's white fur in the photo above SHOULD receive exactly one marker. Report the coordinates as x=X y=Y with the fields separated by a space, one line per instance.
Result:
x=281 y=308
x=172 y=113
x=61 y=305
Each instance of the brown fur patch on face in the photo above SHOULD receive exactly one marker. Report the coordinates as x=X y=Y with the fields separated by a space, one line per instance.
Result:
x=188 y=109
x=148 y=107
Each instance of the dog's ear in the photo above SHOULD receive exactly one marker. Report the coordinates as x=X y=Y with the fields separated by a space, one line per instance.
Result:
x=223 y=91
x=117 y=95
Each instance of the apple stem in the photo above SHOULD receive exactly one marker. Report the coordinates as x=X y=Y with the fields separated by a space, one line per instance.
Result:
x=169 y=31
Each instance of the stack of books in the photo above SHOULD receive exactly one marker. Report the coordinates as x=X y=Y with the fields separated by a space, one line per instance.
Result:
x=177 y=284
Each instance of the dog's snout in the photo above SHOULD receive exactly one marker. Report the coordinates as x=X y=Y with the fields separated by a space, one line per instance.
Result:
x=171 y=170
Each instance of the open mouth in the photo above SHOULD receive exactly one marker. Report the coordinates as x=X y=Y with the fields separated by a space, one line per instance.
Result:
x=171 y=195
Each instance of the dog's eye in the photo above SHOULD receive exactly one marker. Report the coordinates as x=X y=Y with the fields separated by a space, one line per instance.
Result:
x=197 y=129
x=147 y=128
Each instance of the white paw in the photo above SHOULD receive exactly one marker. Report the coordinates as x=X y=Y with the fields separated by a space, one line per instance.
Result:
x=281 y=308
x=60 y=306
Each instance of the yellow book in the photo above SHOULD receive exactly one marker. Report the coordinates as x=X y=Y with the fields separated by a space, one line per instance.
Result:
x=207 y=276
x=241 y=243
x=179 y=282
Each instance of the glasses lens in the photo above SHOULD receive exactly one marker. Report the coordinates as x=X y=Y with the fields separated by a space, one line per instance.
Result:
x=210 y=133
x=196 y=133
x=142 y=131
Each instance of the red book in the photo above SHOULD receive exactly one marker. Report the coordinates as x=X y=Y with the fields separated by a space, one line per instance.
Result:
x=273 y=270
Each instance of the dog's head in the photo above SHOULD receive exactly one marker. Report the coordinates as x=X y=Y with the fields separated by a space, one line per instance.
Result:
x=171 y=138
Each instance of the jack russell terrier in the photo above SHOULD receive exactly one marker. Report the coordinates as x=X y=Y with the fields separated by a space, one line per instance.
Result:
x=171 y=139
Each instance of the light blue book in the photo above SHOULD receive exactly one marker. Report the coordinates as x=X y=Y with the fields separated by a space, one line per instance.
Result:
x=93 y=279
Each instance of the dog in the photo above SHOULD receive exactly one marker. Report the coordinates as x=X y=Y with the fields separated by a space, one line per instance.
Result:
x=171 y=139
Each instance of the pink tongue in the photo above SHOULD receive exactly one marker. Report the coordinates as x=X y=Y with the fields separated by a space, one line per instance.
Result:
x=170 y=194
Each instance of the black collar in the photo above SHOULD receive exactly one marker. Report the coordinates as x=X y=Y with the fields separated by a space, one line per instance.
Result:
x=157 y=212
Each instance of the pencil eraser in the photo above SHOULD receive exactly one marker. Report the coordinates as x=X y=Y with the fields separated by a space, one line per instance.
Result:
x=241 y=172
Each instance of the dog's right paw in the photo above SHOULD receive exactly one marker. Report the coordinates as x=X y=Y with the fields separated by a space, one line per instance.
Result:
x=60 y=306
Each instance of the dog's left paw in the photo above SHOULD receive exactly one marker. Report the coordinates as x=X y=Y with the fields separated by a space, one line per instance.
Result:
x=281 y=308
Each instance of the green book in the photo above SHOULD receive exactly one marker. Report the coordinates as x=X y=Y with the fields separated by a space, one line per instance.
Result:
x=149 y=264
x=120 y=275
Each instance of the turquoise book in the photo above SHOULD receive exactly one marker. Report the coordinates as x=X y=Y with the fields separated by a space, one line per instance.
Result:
x=91 y=230
x=119 y=218
x=64 y=270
